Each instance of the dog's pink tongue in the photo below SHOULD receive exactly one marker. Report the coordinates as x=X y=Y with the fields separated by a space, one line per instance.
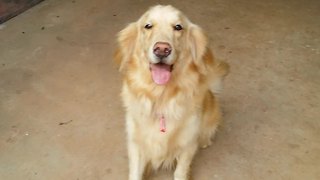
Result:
x=161 y=73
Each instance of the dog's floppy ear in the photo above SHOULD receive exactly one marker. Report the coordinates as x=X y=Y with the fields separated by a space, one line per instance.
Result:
x=198 y=46
x=126 y=45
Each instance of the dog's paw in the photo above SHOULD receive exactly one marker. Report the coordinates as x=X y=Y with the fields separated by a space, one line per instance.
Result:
x=205 y=144
x=182 y=178
x=205 y=139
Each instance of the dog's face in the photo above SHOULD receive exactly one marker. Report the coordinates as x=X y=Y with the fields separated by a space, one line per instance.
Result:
x=162 y=31
x=161 y=39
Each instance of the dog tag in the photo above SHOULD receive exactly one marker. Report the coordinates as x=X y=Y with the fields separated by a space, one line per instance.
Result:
x=162 y=124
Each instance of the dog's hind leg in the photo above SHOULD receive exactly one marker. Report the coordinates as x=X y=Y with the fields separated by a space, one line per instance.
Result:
x=211 y=112
x=210 y=120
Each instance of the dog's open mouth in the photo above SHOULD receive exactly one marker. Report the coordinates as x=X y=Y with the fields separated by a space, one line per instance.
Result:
x=161 y=73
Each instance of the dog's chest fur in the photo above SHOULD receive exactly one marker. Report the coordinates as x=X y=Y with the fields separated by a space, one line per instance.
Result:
x=182 y=121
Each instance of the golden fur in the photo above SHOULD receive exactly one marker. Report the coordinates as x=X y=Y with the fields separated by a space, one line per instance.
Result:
x=187 y=102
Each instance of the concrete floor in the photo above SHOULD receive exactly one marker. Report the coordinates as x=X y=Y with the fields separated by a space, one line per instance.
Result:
x=60 y=113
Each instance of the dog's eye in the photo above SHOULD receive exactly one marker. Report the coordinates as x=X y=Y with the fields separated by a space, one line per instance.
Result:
x=148 y=26
x=178 y=27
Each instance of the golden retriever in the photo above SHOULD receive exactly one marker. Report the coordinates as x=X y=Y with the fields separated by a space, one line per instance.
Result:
x=170 y=81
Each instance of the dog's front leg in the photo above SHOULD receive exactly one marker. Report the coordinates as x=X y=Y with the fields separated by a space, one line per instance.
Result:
x=184 y=162
x=137 y=162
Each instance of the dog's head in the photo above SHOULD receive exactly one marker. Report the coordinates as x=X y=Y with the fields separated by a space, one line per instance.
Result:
x=162 y=40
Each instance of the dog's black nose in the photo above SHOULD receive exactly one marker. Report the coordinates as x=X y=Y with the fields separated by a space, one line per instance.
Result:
x=162 y=49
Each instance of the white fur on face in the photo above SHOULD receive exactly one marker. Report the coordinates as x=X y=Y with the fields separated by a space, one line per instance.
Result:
x=164 y=13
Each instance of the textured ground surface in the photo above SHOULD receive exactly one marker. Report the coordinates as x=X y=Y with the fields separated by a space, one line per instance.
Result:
x=60 y=114
x=9 y=8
